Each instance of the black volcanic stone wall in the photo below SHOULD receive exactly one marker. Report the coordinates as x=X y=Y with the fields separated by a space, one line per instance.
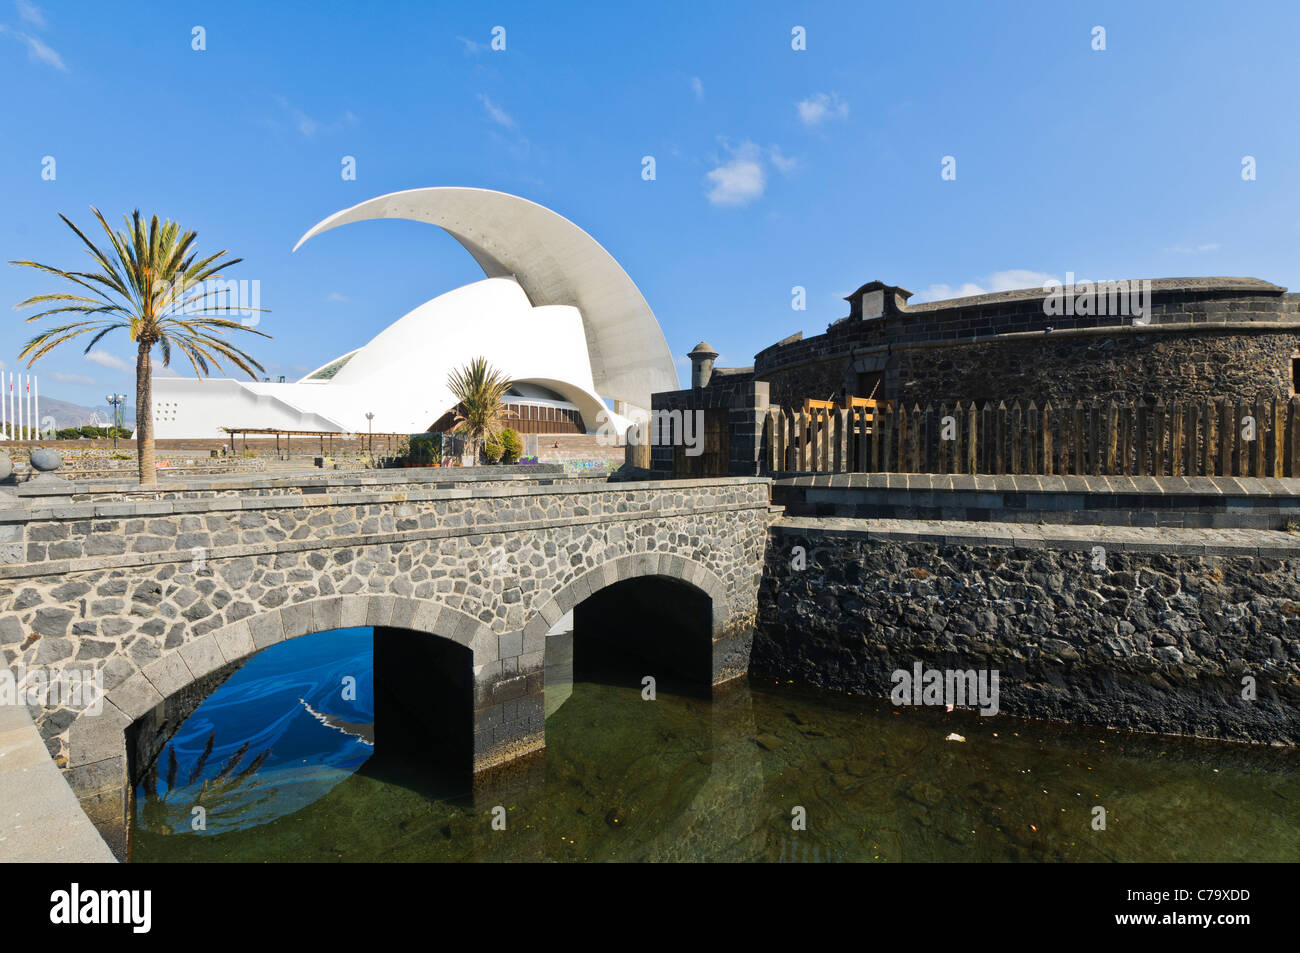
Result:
x=1128 y=367
x=1156 y=642
x=935 y=355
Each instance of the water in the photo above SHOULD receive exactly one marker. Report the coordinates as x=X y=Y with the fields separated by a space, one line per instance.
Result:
x=683 y=778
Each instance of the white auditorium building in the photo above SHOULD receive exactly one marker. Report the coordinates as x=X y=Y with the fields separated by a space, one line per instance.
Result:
x=555 y=313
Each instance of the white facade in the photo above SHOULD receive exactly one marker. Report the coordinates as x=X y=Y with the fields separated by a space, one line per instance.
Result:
x=555 y=310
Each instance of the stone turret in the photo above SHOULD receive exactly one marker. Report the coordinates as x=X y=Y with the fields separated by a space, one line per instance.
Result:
x=702 y=359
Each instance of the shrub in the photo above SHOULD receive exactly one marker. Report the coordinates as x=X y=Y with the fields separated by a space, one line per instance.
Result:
x=493 y=447
x=426 y=449
x=511 y=445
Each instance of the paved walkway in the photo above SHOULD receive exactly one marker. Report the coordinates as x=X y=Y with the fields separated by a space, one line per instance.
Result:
x=40 y=818
x=1193 y=542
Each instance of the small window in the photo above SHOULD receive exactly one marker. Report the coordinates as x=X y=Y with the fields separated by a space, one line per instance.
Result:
x=1295 y=374
x=869 y=384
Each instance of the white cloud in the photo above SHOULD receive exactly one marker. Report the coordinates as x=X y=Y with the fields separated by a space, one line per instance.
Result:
x=63 y=378
x=782 y=162
x=104 y=359
x=335 y=296
x=308 y=125
x=471 y=46
x=36 y=50
x=819 y=107
x=516 y=142
x=740 y=180
x=496 y=113
x=1012 y=279
x=697 y=88
x=1193 y=249
x=31 y=13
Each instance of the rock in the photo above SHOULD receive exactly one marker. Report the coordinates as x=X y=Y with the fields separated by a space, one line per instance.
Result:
x=1167 y=653
x=46 y=461
x=768 y=742
x=923 y=792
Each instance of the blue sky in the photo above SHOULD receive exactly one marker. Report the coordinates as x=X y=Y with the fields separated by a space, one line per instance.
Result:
x=775 y=168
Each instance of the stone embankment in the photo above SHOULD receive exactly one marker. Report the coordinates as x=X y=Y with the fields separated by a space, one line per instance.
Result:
x=1178 y=631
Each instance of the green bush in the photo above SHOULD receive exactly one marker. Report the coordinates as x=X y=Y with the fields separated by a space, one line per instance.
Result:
x=91 y=433
x=426 y=449
x=511 y=445
x=493 y=447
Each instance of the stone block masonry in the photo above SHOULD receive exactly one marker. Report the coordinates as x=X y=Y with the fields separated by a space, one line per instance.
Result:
x=159 y=594
x=1144 y=629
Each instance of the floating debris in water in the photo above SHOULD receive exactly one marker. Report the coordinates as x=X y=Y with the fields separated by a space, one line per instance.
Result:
x=955 y=737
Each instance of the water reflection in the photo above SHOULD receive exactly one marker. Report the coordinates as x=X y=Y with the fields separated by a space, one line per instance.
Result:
x=686 y=778
x=279 y=734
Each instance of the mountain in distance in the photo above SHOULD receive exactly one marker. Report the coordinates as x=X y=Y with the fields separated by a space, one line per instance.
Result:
x=67 y=414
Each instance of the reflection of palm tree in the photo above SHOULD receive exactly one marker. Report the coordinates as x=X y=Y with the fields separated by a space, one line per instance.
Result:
x=154 y=811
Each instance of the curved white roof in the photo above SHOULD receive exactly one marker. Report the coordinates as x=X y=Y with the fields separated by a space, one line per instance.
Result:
x=400 y=375
x=556 y=263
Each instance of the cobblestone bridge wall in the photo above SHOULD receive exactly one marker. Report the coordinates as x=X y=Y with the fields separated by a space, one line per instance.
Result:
x=159 y=594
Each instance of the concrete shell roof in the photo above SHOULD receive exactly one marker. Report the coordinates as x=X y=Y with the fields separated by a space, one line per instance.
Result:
x=556 y=263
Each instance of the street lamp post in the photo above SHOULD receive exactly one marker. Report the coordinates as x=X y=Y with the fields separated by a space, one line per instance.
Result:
x=370 y=426
x=116 y=401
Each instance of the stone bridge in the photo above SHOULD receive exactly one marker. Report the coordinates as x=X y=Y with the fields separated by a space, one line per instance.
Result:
x=167 y=592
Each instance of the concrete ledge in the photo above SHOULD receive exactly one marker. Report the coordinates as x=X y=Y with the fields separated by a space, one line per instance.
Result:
x=1195 y=542
x=41 y=819
x=1061 y=483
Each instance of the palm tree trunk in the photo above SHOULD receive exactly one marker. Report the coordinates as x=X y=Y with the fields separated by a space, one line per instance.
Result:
x=144 y=414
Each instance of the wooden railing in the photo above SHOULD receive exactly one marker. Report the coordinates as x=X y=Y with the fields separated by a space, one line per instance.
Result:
x=1213 y=437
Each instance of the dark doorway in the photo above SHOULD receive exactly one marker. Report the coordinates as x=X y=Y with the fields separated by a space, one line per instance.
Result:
x=654 y=626
x=870 y=384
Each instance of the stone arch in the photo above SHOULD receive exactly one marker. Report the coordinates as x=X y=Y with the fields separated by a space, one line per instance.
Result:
x=97 y=744
x=617 y=570
x=640 y=566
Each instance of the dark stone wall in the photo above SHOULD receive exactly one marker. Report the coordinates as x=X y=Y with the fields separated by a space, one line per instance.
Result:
x=1199 y=342
x=1124 y=367
x=1155 y=642
x=820 y=380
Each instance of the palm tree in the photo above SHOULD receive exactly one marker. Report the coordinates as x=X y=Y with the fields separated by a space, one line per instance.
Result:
x=151 y=286
x=478 y=388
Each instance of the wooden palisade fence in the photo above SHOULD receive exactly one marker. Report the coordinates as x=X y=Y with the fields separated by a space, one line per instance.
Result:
x=1212 y=437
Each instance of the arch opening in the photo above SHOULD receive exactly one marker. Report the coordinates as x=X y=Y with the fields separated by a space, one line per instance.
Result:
x=648 y=625
x=303 y=720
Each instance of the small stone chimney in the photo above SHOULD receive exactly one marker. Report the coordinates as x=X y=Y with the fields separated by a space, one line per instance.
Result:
x=702 y=364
